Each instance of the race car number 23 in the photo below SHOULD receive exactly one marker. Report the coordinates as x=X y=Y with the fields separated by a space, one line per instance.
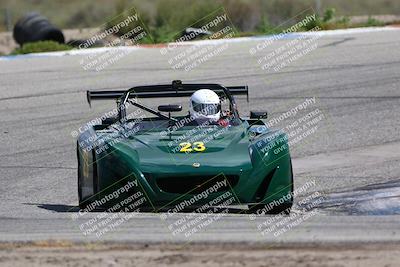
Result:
x=187 y=147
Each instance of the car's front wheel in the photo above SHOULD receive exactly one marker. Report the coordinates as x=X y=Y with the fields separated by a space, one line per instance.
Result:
x=87 y=177
x=284 y=208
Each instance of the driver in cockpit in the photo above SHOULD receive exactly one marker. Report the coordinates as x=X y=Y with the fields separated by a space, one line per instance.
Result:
x=205 y=107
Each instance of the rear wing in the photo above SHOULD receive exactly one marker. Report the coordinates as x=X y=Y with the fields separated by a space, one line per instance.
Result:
x=176 y=89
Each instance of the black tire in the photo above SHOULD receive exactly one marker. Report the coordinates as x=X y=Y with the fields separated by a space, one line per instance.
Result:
x=84 y=203
x=284 y=208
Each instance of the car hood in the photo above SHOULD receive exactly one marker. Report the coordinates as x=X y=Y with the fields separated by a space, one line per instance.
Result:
x=226 y=149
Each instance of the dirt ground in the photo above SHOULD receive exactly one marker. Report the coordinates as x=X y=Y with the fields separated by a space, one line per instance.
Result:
x=95 y=254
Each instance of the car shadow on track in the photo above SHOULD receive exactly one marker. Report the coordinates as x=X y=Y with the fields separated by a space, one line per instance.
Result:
x=71 y=208
x=55 y=207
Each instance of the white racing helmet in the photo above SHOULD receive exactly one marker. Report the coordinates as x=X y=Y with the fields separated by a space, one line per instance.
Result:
x=205 y=105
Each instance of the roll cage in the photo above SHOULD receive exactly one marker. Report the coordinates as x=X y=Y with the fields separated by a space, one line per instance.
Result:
x=175 y=89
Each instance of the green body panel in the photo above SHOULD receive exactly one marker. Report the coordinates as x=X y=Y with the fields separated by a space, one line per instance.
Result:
x=262 y=164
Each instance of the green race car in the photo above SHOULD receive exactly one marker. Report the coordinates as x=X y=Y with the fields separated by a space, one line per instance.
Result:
x=136 y=158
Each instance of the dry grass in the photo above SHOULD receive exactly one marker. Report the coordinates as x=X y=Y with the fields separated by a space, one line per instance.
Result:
x=246 y=14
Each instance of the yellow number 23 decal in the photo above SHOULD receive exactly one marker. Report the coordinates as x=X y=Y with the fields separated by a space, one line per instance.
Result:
x=188 y=147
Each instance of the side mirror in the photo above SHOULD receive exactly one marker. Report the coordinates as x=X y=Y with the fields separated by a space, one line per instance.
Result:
x=170 y=108
x=258 y=114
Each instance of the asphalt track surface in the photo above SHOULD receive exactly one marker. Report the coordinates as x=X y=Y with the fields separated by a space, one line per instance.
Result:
x=353 y=157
